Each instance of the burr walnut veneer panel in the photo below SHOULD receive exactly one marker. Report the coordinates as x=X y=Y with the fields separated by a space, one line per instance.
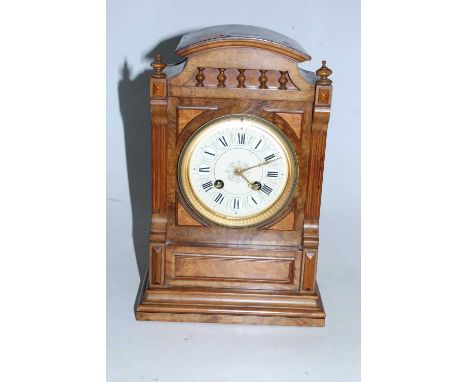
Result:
x=233 y=268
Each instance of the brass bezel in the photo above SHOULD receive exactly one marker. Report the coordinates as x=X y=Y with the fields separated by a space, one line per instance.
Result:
x=207 y=214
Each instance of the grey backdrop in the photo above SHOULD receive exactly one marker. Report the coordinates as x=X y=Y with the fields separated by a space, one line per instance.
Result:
x=152 y=351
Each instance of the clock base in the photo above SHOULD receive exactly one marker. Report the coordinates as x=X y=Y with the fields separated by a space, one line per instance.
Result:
x=230 y=307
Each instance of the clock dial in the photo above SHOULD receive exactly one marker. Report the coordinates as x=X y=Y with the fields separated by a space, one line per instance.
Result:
x=238 y=171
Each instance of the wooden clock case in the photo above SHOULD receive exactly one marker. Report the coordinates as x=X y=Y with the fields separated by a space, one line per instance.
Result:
x=205 y=273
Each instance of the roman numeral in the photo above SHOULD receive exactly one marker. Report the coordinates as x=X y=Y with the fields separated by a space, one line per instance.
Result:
x=266 y=189
x=223 y=141
x=258 y=144
x=207 y=152
x=272 y=174
x=235 y=203
x=253 y=200
x=204 y=169
x=207 y=186
x=219 y=198
x=241 y=138
x=267 y=158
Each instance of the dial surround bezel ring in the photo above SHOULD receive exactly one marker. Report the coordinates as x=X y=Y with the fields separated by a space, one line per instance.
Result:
x=204 y=212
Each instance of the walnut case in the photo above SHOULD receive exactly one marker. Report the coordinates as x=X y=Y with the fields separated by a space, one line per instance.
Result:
x=257 y=275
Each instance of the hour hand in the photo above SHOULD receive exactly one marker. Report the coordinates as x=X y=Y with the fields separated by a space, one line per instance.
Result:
x=253 y=185
x=245 y=178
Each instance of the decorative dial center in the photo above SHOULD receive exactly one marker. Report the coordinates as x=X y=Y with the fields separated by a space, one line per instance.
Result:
x=229 y=166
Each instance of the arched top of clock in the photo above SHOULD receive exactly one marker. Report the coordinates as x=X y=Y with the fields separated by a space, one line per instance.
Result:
x=240 y=36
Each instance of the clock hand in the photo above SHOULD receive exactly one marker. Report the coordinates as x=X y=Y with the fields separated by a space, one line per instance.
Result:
x=244 y=177
x=257 y=165
x=253 y=185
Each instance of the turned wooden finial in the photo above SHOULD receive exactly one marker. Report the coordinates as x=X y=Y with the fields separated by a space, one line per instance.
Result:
x=158 y=67
x=323 y=73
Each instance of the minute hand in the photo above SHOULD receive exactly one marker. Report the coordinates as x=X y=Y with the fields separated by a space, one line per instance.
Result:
x=257 y=165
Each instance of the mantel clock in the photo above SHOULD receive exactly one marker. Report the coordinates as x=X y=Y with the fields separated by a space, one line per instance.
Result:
x=238 y=144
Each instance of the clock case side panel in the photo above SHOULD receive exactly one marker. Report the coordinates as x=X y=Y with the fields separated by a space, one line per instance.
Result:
x=204 y=234
x=159 y=145
x=320 y=119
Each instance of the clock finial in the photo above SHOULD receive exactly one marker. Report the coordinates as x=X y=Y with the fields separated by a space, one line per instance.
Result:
x=323 y=73
x=158 y=67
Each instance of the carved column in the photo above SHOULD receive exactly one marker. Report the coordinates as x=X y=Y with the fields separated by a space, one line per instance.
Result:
x=221 y=78
x=320 y=118
x=241 y=78
x=283 y=80
x=158 y=230
x=200 y=77
x=263 y=79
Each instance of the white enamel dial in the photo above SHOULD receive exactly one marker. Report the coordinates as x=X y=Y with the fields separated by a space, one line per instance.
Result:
x=238 y=170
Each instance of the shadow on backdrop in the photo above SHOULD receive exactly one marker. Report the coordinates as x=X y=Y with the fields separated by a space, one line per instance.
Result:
x=134 y=105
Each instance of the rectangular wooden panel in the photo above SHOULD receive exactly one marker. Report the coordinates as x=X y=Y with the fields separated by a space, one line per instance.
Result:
x=182 y=229
x=232 y=268
x=323 y=96
x=158 y=88
x=243 y=268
